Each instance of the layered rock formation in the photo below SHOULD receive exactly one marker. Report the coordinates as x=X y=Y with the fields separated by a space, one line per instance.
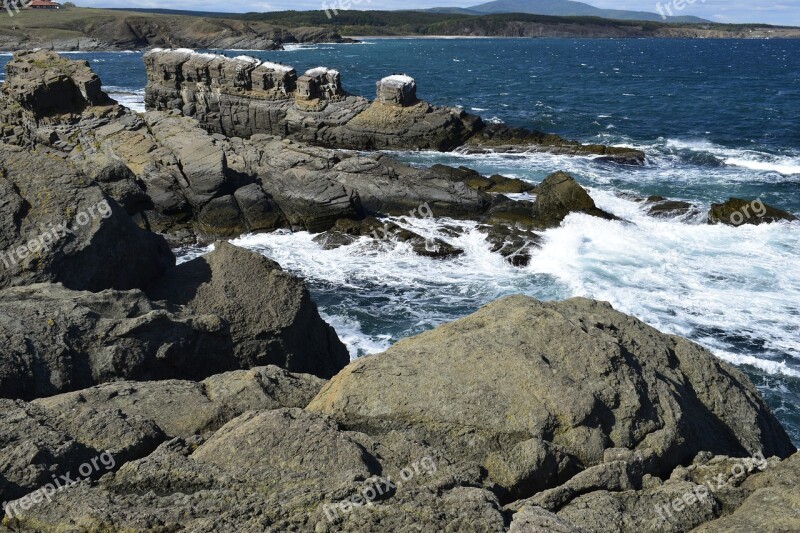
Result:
x=176 y=178
x=462 y=428
x=230 y=97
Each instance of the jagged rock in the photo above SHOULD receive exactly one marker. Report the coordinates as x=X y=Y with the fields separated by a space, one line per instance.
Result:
x=348 y=231
x=267 y=312
x=737 y=212
x=231 y=309
x=56 y=340
x=60 y=227
x=772 y=506
x=44 y=84
x=514 y=243
x=558 y=196
x=661 y=207
x=631 y=387
x=492 y=184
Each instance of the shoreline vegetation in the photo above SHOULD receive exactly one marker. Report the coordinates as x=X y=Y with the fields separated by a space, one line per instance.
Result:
x=89 y=29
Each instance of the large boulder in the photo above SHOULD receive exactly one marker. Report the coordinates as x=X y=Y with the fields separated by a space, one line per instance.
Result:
x=57 y=340
x=44 y=84
x=503 y=372
x=268 y=313
x=59 y=226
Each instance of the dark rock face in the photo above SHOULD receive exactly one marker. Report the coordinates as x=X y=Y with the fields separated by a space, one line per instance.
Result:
x=60 y=227
x=737 y=212
x=57 y=340
x=272 y=321
x=211 y=316
x=558 y=196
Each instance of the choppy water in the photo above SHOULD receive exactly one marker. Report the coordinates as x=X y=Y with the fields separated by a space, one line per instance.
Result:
x=716 y=118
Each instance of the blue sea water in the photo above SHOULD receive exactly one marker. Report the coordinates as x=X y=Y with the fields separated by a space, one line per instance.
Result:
x=717 y=118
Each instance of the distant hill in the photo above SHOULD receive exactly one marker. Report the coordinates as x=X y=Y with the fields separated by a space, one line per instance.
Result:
x=560 y=8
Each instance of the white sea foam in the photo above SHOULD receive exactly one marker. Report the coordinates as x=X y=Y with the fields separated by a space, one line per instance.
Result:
x=734 y=290
x=130 y=98
x=787 y=168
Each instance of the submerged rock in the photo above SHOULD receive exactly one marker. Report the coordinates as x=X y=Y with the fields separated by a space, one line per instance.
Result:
x=737 y=212
x=500 y=138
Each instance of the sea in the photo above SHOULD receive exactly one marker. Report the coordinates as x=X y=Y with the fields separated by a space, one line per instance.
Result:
x=717 y=118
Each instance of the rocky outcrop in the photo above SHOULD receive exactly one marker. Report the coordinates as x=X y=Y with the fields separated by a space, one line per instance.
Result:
x=272 y=321
x=737 y=212
x=230 y=97
x=239 y=97
x=203 y=317
x=59 y=227
x=640 y=402
x=435 y=434
x=173 y=177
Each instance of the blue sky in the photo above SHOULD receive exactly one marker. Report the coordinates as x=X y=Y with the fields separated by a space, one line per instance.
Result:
x=786 y=12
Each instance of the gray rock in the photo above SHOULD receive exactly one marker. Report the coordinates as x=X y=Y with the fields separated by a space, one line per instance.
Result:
x=35 y=452
x=738 y=212
x=502 y=373
x=59 y=227
x=57 y=340
x=772 y=506
x=398 y=89
x=185 y=408
x=272 y=321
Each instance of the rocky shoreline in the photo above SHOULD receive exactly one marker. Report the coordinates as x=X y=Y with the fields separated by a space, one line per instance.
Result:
x=82 y=29
x=138 y=395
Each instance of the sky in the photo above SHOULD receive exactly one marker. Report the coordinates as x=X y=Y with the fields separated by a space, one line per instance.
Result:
x=784 y=12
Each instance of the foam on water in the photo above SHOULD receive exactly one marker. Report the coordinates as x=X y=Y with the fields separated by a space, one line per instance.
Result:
x=733 y=290
x=130 y=98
